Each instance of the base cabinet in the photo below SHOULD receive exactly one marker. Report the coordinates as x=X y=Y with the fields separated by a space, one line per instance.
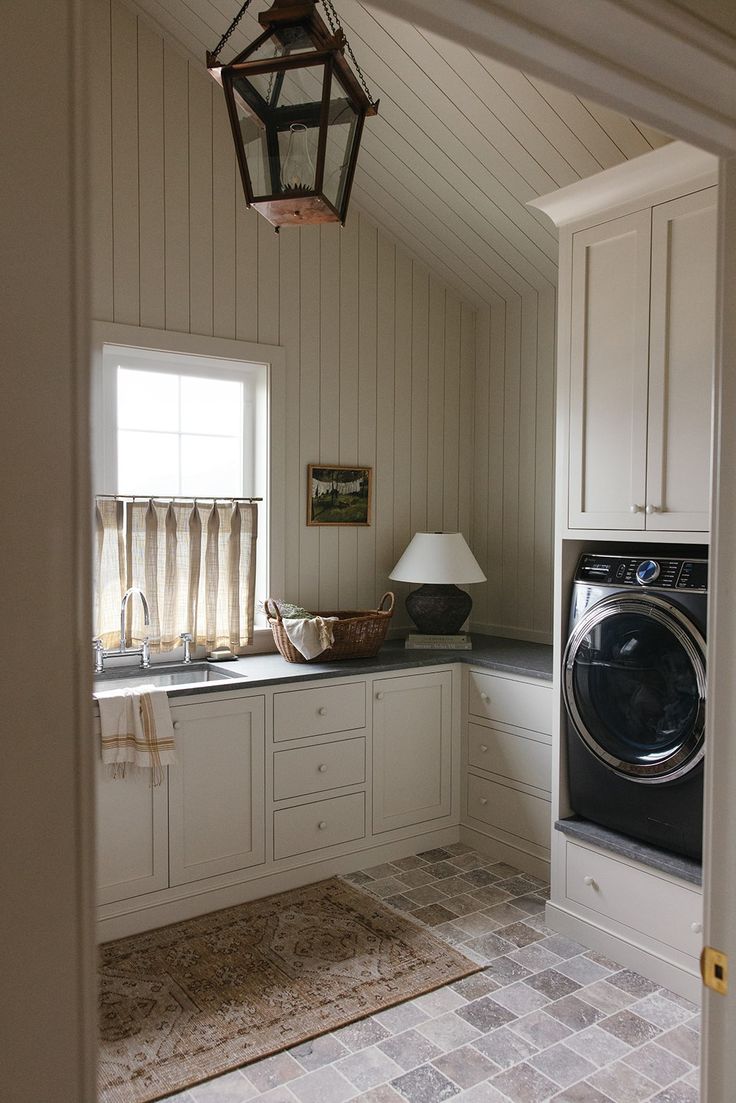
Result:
x=217 y=789
x=132 y=835
x=412 y=750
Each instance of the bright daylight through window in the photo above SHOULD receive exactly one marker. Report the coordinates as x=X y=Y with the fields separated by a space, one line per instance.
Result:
x=183 y=441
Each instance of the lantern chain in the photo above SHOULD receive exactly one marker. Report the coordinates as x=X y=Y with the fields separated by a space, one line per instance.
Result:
x=334 y=20
x=231 y=28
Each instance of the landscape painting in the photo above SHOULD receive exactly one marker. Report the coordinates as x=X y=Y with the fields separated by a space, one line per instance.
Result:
x=338 y=495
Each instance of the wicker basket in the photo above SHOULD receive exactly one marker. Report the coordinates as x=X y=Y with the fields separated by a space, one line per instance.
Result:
x=358 y=633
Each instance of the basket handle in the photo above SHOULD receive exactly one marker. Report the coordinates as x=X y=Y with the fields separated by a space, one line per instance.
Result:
x=270 y=604
x=392 y=601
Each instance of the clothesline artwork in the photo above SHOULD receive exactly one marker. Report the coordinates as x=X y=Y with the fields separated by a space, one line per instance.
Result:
x=338 y=495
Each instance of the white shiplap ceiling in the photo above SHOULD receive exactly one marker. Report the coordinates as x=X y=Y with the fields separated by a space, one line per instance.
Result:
x=460 y=145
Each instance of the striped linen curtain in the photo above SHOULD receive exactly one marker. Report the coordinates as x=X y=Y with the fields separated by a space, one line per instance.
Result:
x=193 y=559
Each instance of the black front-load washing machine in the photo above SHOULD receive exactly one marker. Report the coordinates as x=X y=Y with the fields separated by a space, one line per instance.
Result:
x=633 y=682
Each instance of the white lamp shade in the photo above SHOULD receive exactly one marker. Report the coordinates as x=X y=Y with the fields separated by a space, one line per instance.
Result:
x=438 y=557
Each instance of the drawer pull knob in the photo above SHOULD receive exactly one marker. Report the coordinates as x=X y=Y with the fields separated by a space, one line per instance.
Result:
x=484 y=697
x=590 y=881
x=379 y=696
x=176 y=724
x=322 y=825
x=322 y=711
x=483 y=748
x=484 y=800
x=696 y=928
x=323 y=768
x=634 y=509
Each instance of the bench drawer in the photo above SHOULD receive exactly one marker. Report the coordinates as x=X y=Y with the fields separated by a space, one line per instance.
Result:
x=314 y=769
x=319 y=824
x=300 y=713
x=521 y=704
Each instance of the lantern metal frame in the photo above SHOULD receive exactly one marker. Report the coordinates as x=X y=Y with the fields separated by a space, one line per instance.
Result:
x=307 y=205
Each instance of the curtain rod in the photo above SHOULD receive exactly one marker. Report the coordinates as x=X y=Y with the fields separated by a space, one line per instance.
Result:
x=172 y=498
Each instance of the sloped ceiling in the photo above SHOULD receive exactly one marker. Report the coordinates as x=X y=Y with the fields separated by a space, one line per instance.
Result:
x=459 y=146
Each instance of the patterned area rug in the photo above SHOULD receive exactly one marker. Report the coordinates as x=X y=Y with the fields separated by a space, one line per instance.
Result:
x=187 y=1002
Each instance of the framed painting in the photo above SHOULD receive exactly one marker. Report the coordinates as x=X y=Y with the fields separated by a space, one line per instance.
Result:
x=338 y=495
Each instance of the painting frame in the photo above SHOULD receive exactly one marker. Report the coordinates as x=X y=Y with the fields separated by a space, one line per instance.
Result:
x=327 y=506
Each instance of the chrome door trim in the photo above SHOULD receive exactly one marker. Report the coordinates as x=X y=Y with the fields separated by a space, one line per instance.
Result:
x=686 y=757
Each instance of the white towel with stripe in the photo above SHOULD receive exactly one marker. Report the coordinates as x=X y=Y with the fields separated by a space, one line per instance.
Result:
x=137 y=731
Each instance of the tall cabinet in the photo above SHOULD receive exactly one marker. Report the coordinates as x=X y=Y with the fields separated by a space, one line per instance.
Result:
x=635 y=384
x=636 y=345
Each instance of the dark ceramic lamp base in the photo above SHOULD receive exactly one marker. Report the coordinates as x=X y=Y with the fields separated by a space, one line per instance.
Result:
x=439 y=610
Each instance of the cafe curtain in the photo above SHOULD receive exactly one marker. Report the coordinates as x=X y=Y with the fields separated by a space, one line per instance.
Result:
x=193 y=559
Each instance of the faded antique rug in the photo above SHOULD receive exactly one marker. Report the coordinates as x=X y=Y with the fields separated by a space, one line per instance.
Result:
x=196 y=999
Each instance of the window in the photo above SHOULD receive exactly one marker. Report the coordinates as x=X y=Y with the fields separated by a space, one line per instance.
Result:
x=181 y=416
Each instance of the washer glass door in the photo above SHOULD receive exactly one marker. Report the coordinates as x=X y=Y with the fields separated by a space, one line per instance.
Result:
x=634 y=687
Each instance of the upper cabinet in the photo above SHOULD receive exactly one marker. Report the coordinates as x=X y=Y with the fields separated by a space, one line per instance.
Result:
x=636 y=343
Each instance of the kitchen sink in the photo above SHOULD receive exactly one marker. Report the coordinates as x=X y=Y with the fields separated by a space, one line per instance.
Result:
x=170 y=675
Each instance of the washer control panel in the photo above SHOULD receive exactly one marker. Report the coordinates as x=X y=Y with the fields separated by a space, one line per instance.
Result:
x=659 y=574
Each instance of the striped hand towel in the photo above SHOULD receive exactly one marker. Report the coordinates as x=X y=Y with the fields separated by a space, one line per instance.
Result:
x=137 y=730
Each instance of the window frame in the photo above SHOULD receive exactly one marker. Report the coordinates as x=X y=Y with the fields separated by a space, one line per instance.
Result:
x=231 y=358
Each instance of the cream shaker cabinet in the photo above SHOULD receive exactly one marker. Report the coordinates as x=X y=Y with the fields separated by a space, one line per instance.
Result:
x=641 y=348
x=217 y=788
x=412 y=749
x=132 y=834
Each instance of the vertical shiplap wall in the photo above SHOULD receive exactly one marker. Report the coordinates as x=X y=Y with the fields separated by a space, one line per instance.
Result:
x=381 y=358
x=513 y=465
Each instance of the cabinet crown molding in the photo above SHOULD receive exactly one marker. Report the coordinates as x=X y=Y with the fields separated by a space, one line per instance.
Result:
x=677 y=165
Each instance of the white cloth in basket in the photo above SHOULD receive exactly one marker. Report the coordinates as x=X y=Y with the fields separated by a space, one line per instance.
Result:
x=310 y=636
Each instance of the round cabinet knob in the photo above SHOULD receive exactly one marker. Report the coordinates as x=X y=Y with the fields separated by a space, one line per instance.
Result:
x=590 y=882
x=696 y=928
x=379 y=696
x=483 y=748
x=484 y=697
x=176 y=724
x=322 y=768
x=322 y=825
x=484 y=800
x=322 y=711
x=634 y=508
x=652 y=509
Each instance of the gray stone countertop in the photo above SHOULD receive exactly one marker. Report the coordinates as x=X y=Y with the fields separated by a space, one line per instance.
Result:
x=530 y=660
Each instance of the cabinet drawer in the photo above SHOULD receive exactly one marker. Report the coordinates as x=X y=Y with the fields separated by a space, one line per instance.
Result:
x=318 y=711
x=641 y=900
x=510 y=810
x=314 y=769
x=319 y=824
x=511 y=756
x=522 y=704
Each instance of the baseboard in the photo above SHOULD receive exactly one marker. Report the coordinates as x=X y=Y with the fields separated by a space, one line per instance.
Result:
x=660 y=970
x=138 y=915
x=505 y=852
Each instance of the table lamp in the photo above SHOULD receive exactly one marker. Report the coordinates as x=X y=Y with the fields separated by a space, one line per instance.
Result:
x=439 y=560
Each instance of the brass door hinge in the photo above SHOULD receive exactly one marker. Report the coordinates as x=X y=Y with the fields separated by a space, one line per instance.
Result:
x=714 y=969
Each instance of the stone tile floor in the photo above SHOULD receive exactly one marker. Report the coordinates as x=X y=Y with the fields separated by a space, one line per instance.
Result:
x=545 y=1020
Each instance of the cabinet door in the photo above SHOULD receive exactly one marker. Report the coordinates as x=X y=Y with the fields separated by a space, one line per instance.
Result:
x=132 y=835
x=608 y=374
x=412 y=750
x=682 y=348
x=217 y=801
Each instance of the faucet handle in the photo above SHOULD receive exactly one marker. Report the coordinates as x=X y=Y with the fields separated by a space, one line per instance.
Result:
x=146 y=653
x=187 y=638
x=99 y=651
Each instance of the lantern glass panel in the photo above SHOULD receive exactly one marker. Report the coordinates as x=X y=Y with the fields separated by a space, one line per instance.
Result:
x=341 y=132
x=279 y=115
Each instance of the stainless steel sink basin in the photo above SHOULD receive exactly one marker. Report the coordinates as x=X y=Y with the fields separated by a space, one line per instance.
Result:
x=173 y=675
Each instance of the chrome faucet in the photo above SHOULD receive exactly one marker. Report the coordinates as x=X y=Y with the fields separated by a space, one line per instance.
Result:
x=144 y=650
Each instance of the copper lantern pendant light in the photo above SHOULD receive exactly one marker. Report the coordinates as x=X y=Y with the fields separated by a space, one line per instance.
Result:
x=296 y=110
